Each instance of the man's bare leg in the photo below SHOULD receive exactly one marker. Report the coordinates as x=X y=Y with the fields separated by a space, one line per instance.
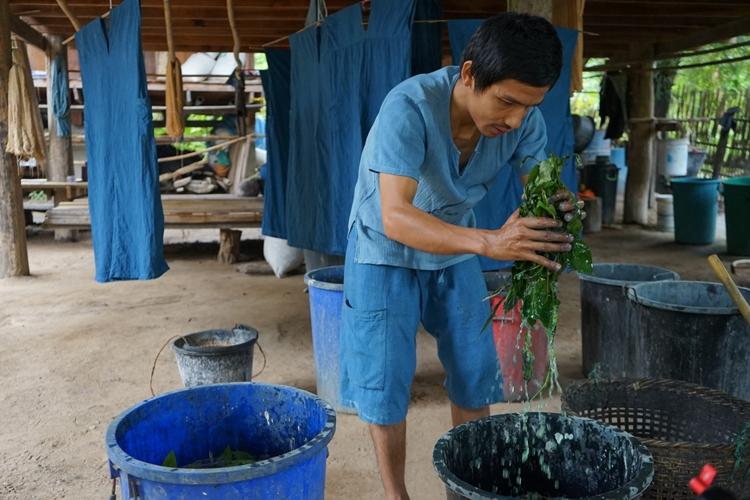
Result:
x=390 y=448
x=463 y=415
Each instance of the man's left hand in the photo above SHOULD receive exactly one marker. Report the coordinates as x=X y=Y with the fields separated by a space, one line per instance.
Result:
x=565 y=201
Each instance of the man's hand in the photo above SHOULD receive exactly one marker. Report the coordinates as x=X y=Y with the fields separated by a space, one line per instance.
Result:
x=521 y=238
x=565 y=202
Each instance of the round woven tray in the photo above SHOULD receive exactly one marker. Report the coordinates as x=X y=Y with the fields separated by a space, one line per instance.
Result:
x=683 y=425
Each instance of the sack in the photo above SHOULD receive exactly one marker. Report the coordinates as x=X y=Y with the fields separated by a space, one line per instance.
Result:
x=282 y=258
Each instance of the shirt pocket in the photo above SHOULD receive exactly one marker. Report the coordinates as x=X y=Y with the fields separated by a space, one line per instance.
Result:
x=366 y=331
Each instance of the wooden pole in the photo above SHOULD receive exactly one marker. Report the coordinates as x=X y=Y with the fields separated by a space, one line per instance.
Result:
x=229 y=246
x=730 y=285
x=60 y=156
x=14 y=260
x=640 y=145
x=71 y=17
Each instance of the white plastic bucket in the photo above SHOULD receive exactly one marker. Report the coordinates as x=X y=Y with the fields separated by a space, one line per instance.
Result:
x=664 y=212
x=672 y=160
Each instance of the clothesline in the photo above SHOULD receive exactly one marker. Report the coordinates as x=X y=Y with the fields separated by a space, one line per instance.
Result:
x=207 y=150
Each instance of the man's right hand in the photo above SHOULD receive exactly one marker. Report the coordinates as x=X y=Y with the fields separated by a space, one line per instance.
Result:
x=523 y=238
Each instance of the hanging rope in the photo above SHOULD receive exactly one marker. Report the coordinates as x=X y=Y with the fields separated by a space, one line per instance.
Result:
x=174 y=97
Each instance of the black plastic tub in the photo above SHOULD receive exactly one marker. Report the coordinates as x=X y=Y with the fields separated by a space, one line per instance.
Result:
x=541 y=455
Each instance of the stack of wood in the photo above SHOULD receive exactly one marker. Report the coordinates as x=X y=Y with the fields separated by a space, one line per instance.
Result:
x=180 y=211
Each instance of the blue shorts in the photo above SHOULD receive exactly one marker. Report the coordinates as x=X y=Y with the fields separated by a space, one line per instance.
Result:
x=383 y=306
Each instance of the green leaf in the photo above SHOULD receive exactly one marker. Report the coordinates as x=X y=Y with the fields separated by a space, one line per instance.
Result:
x=580 y=257
x=574 y=226
x=226 y=455
x=170 y=460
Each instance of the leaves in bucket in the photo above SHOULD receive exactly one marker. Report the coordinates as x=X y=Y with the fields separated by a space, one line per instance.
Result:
x=170 y=460
x=227 y=458
x=536 y=286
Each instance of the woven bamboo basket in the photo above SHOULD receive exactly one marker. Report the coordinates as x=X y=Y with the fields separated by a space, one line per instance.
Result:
x=683 y=425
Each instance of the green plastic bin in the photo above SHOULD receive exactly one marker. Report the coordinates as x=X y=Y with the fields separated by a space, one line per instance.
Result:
x=737 y=206
x=695 y=209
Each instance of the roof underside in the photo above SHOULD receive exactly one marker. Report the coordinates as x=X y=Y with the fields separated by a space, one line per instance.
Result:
x=611 y=27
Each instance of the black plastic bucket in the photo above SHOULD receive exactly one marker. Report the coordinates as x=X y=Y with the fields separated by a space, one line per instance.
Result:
x=216 y=356
x=605 y=316
x=691 y=331
x=541 y=455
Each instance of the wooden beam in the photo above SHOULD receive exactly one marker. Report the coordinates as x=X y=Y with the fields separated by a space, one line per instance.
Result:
x=663 y=9
x=722 y=32
x=27 y=33
x=14 y=260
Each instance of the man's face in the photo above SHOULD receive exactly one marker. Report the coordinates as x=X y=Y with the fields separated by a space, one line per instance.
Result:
x=502 y=106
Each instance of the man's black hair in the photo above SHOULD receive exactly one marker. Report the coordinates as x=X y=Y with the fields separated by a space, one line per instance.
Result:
x=514 y=46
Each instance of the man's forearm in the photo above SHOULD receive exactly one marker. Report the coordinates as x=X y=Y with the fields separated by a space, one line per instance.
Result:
x=422 y=231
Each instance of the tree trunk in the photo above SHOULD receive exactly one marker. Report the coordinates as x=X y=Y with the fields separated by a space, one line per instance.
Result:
x=13 y=258
x=60 y=156
x=229 y=246
x=640 y=145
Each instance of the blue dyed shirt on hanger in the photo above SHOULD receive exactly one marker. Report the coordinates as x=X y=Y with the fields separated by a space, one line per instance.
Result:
x=127 y=222
x=412 y=137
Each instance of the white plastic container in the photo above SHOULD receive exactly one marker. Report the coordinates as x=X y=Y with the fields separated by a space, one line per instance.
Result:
x=664 y=213
x=672 y=159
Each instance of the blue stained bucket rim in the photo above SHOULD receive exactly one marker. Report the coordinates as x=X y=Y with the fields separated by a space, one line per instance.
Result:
x=632 y=294
x=645 y=476
x=311 y=281
x=223 y=475
x=668 y=274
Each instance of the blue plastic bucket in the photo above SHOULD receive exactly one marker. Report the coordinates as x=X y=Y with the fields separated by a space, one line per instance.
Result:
x=291 y=426
x=326 y=289
x=695 y=209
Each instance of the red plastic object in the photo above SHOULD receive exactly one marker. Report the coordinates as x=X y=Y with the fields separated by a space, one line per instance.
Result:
x=704 y=480
x=506 y=330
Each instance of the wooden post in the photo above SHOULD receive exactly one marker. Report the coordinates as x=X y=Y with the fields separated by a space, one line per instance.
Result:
x=14 y=260
x=60 y=156
x=229 y=246
x=640 y=145
x=542 y=8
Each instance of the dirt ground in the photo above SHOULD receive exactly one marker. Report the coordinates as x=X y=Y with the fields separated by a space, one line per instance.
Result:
x=76 y=353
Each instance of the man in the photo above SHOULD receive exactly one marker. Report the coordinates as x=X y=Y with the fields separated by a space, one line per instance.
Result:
x=433 y=152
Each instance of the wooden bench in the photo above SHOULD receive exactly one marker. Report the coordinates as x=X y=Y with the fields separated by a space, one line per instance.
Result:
x=226 y=212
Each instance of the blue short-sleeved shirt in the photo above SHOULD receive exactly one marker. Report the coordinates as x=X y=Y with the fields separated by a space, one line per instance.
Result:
x=412 y=136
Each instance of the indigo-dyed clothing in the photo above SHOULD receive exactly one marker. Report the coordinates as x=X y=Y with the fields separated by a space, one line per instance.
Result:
x=127 y=223
x=276 y=81
x=341 y=72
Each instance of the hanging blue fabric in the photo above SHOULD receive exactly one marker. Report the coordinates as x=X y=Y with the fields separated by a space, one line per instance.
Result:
x=341 y=73
x=505 y=194
x=127 y=223
x=304 y=152
x=426 y=38
x=276 y=81
x=60 y=98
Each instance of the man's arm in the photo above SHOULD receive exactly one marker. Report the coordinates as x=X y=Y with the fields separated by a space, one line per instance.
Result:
x=519 y=239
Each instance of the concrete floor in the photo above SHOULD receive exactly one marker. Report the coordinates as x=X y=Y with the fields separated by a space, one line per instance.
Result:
x=75 y=353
